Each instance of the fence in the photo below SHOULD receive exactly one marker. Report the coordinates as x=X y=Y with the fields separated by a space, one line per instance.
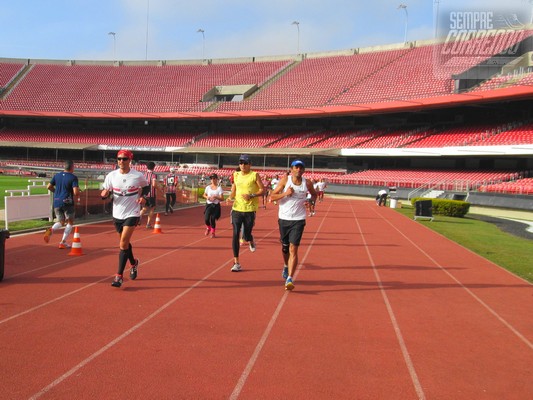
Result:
x=22 y=205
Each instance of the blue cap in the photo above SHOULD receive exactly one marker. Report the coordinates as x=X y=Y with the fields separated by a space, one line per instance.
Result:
x=244 y=157
x=295 y=163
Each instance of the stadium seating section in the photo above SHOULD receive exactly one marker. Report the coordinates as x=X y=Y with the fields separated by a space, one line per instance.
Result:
x=402 y=73
x=419 y=137
x=365 y=77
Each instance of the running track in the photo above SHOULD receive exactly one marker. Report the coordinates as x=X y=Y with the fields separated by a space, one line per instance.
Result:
x=383 y=309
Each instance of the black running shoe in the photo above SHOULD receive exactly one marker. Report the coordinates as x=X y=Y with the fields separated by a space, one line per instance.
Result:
x=133 y=270
x=117 y=281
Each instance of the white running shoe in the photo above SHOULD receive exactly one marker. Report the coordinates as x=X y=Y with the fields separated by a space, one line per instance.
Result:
x=236 y=267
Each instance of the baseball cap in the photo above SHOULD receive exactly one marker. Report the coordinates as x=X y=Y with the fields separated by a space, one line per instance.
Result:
x=172 y=169
x=125 y=153
x=213 y=176
x=245 y=158
x=296 y=163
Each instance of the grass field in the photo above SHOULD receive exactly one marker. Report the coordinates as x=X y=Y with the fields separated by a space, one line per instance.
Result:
x=483 y=238
x=19 y=183
x=16 y=182
x=486 y=239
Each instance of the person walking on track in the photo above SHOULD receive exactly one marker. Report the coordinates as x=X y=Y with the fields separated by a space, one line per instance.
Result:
x=213 y=195
x=291 y=194
x=170 y=182
x=151 y=201
x=128 y=187
x=245 y=190
x=65 y=187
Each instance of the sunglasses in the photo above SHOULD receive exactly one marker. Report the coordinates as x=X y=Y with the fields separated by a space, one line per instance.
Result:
x=244 y=162
x=122 y=158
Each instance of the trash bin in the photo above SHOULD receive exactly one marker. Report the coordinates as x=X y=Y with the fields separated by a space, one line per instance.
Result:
x=424 y=209
x=393 y=202
x=4 y=234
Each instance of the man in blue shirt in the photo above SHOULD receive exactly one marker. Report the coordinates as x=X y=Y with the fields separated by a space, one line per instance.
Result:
x=64 y=185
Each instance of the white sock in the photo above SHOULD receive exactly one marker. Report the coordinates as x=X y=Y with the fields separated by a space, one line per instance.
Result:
x=68 y=229
x=56 y=226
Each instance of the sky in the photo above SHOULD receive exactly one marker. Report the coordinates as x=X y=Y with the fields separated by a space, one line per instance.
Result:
x=170 y=29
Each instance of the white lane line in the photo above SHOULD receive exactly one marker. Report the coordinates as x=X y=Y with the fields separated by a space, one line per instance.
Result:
x=54 y=300
x=29 y=310
x=392 y=316
x=102 y=350
x=255 y=355
x=108 y=346
x=474 y=296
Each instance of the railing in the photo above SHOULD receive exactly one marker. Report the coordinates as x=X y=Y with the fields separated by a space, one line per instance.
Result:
x=21 y=205
x=422 y=190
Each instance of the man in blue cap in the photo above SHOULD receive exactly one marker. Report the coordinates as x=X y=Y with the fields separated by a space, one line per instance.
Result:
x=291 y=194
x=245 y=190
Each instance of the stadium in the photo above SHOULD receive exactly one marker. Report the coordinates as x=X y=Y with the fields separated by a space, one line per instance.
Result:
x=440 y=118
x=384 y=307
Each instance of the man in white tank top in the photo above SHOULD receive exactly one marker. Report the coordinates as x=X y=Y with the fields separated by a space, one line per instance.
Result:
x=291 y=195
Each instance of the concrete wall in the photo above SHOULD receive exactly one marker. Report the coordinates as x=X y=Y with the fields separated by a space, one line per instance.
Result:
x=514 y=202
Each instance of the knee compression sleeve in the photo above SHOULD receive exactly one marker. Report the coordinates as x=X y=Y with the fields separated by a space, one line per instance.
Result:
x=285 y=248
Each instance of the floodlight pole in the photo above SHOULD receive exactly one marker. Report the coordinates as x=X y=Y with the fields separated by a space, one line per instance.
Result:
x=114 y=45
x=147 y=17
x=437 y=2
x=298 y=28
x=406 y=20
x=203 y=42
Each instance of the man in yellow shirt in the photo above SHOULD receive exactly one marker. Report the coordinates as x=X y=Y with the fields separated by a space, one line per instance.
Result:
x=246 y=189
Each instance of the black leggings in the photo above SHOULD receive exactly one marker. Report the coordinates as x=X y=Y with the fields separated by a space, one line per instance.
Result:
x=211 y=214
x=171 y=200
x=247 y=221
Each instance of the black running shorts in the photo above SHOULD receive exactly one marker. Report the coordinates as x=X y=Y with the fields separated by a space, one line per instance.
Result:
x=291 y=231
x=120 y=223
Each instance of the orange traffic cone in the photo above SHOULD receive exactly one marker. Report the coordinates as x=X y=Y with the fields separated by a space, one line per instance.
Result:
x=76 y=244
x=157 y=225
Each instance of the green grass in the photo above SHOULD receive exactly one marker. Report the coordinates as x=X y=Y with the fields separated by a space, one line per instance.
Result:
x=19 y=182
x=486 y=239
x=16 y=182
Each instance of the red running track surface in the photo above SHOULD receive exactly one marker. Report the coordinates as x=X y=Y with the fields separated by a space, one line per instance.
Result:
x=383 y=308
